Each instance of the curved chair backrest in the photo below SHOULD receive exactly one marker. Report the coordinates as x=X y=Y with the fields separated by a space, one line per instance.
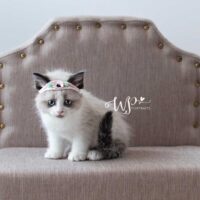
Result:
x=123 y=57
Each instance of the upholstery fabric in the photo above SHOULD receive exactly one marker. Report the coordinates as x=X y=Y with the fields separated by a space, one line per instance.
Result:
x=144 y=173
x=123 y=57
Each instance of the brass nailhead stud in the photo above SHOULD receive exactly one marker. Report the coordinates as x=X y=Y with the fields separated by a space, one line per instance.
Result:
x=196 y=103
x=22 y=55
x=123 y=26
x=1 y=107
x=98 y=25
x=146 y=27
x=197 y=64
x=1 y=65
x=56 y=27
x=197 y=84
x=2 y=125
x=160 y=45
x=40 y=41
x=179 y=58
x=1 y=85
x=78 y=27
x=196 y=125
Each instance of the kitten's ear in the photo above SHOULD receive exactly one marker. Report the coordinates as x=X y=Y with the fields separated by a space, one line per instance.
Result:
x=77 y=79
x=40 y=80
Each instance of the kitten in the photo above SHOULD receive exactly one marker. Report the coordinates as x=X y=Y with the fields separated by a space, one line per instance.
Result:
x=78 y=124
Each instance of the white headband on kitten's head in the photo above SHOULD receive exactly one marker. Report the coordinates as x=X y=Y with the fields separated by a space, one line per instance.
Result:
x=57 y=85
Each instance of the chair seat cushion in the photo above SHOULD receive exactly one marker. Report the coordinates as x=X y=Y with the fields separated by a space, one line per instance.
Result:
x=143 y=173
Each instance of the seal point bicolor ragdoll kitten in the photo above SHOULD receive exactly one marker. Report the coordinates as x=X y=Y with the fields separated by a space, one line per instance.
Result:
x=78 y=125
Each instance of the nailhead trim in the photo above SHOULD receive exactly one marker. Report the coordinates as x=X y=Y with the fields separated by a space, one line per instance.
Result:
x=22 y=55
x=196 y=104
x=98 y=25
x=40 y=41
x=56 y=27
x=2 y=125
x=1 y=107
x=197 y=64
x=179 y=58
x=160 y=45
x=123 y=26
x=1 y=85
x=196 y=125
x=146 y=27
x=78 y=27
x=197 y=84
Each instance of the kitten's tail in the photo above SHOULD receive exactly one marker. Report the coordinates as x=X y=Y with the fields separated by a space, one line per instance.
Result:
x=108 y=147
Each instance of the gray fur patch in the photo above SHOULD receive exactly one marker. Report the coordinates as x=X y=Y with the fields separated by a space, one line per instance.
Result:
x=109 y=148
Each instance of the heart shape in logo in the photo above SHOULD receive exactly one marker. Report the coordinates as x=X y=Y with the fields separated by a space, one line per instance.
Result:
x=142 y=98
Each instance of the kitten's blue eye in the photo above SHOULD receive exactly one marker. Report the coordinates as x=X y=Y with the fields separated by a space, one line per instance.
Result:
x=67 y=102
x=51 y=102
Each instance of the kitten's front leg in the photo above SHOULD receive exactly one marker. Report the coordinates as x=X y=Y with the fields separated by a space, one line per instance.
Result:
x=79 y=150
x=56 y=147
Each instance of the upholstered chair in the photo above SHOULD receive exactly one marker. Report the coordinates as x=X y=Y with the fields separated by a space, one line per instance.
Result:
x=123 y=57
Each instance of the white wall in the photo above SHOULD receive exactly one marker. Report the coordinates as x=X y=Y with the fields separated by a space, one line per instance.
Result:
x=178 y=20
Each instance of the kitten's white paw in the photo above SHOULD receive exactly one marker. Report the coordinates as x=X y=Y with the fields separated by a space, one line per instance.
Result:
x=77 y=156
x=94 y=155
x=53 y=155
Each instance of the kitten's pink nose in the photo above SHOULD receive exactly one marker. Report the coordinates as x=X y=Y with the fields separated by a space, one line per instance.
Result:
x=60 y=113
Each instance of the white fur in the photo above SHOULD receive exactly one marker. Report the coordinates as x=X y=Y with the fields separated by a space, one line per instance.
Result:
x=78 y=128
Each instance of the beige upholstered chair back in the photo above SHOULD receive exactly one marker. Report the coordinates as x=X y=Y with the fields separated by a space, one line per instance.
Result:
x=123 y=57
